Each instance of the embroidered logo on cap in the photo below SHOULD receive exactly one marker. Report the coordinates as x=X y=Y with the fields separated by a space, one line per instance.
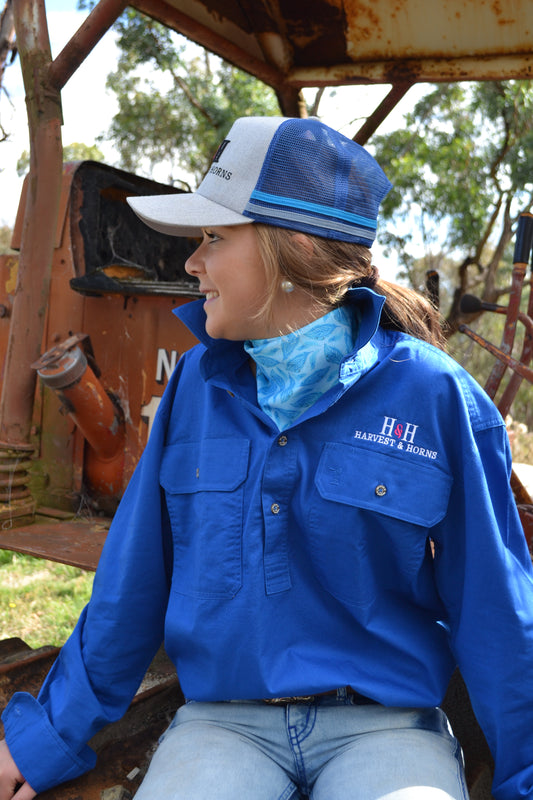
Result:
x=220 y=150
x=220 y=172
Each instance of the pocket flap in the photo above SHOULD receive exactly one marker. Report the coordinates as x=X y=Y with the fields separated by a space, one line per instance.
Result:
x=384 y=483
x=216 y=465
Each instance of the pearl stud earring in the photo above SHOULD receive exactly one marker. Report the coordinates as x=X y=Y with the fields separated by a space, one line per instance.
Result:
x=287 y=286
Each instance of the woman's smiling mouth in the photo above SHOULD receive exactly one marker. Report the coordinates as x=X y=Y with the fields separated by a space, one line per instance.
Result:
x=211 y=295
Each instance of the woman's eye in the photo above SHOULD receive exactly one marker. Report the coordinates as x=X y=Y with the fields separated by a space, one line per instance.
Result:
x=213 y=237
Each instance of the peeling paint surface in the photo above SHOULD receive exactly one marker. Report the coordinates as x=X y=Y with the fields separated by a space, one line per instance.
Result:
x=325 y=38
x=448 y=29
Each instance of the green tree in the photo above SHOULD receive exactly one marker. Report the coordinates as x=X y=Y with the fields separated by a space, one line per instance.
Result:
x=461 y=169
x=176 y=101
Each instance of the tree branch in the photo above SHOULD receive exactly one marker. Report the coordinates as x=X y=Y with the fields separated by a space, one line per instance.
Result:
x=191 y=98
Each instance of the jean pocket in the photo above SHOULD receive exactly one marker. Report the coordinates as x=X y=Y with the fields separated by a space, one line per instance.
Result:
x=204 y=491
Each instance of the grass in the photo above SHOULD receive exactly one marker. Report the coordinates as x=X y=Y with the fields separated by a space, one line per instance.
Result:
x=40 y=601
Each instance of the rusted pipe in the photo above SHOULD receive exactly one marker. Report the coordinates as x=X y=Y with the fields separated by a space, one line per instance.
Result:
x=473 y=304
x=292 y=102
x=524 y=239
x=509 y=361
x=103 y=15
x=381 y=112
x=38 y=230
x=525 y=357
x=66 y=371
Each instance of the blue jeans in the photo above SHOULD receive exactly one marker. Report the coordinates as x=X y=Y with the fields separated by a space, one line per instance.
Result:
x=329 y=749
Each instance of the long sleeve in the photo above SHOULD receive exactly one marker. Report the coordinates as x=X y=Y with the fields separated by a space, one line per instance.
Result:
x=103 y=662
x=485 y=578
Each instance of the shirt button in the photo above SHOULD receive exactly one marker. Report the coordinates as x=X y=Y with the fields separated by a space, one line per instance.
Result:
x=282 y=441
x=381 y=490
x=274 y=508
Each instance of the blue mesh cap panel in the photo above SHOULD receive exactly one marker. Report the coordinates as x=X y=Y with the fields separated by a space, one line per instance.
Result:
x=318 y=181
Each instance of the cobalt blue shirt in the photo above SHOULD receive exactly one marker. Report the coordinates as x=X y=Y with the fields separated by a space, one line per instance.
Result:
x=374 y=543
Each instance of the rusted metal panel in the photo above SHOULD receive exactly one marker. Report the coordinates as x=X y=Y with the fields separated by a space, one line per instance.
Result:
x=421 y=70
x=66 y=180
x=406 y=29
x=78 y=543
x=331 y=42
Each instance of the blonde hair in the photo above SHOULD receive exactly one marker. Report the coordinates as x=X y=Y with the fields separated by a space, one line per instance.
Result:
x=327 y=268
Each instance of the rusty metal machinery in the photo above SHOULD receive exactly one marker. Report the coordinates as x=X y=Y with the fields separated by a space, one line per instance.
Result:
x=518 y=367
x=118 y=282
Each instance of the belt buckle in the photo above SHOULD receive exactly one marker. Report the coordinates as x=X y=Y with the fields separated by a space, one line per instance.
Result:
x=281 y=701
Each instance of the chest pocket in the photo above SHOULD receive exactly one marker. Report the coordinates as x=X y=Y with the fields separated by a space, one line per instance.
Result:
x=370 y=520
x=204 y=488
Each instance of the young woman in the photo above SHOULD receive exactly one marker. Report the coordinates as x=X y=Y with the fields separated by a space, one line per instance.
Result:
x=321 y=526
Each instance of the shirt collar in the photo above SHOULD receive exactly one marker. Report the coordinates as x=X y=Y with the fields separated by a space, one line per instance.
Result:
x=368 y=302
x=225 y=363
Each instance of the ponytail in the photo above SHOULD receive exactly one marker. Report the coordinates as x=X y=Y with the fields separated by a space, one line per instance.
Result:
x=409 y=311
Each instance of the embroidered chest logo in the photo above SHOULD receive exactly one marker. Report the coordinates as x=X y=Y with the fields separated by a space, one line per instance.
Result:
x=399 y=434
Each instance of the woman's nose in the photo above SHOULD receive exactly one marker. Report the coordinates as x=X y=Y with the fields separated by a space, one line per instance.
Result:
x=194 y=264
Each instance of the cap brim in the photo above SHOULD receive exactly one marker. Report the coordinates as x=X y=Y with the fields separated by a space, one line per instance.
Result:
x=183 y=214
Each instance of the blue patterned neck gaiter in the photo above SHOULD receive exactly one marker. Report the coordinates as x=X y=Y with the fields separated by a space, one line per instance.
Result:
x=294 y=370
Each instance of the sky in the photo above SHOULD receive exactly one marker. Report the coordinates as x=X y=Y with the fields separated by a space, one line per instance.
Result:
x=88 y=106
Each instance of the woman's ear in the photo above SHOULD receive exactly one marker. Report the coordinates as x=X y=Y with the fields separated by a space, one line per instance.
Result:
x=303 y=241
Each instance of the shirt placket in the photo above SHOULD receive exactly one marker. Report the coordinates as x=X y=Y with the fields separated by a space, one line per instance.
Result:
x=278 y=486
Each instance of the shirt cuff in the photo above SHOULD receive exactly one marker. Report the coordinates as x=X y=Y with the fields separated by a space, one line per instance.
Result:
x=41 y=755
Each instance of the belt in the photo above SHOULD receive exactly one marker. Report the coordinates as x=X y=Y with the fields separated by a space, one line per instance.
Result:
x=357 y=698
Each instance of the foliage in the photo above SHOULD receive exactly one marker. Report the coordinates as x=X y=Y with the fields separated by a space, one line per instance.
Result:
x=176 y=101
x=77 y=151
x=461 y=171
x=5 y=239
x=40 y=601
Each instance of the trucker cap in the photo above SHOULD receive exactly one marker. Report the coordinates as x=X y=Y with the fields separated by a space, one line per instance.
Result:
x=288 y=172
